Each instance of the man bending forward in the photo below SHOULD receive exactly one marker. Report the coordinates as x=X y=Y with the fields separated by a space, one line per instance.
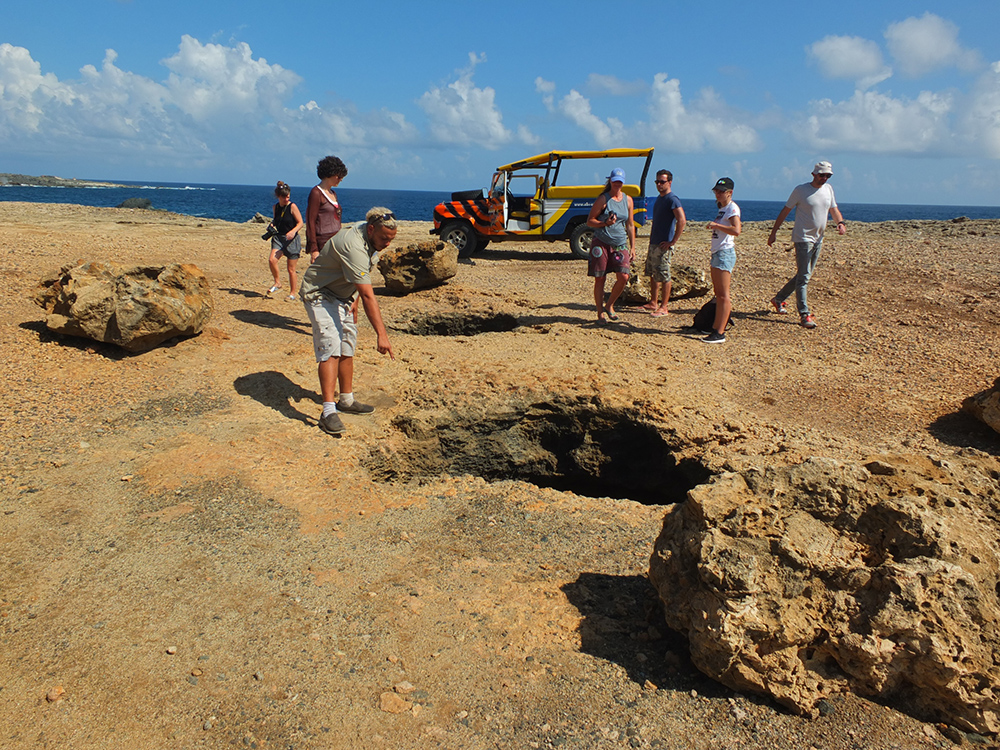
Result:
x=330 y=290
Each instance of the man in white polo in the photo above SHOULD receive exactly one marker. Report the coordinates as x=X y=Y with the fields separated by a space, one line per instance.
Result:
x=813 y=202
x=330 y=290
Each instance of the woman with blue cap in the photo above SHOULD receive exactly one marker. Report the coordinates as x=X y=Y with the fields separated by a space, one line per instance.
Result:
x=613 y=246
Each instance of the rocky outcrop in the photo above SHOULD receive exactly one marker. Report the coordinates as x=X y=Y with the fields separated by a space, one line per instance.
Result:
x=6 y=178
x=985 y=406
x=135 y=308
x=135 y=203
x=419 y=265
x=687 y=282
x=827 y=577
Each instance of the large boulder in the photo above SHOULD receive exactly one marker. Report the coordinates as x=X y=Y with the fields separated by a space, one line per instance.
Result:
x=985 y=406
x=136 y=308
x=882 y=579
x=687 y=281
x=419 y=265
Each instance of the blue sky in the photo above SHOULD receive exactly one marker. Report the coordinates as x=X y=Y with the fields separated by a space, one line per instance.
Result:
x=902 y=97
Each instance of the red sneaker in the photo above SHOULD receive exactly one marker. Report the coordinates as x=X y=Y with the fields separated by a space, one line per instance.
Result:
x=808 y=321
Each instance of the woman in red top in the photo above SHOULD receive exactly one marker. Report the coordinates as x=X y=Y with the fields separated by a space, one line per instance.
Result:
x=323 y=209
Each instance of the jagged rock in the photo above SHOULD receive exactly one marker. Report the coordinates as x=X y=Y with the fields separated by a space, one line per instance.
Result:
x=419 y=265
x=687 y=282
x=135 y=308
x=800 y=582
x=985 y=406
x=259 y=218
x=135 y=203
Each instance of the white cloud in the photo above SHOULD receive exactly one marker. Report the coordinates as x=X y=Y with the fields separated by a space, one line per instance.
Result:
x=921 y=45
x=212 y=82
x=979 y=122
x=850 y=57
x=25 y=92
x=218 y=105
x=462 y=113
x=547 y=90
x=875 y=123
x=576 y=107
x=544 y=87
x=598 y=83
x=707 y=122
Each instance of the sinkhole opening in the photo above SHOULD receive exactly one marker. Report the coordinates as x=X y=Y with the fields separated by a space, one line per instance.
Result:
x=582 y=448
x=458 y=324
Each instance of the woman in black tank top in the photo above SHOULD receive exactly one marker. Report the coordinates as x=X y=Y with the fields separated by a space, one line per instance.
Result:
x=285 y=239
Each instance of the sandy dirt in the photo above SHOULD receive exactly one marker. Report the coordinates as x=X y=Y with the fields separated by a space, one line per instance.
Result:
x=188 y=561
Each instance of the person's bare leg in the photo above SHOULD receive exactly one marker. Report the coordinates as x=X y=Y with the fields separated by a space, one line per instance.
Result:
x=293 y=279
x=654 y=295
x=616 y=291
x=723 y=303
x=662 y=309
x=345 y=374
x=328 y=370
x=599 y=297
x=272 y=262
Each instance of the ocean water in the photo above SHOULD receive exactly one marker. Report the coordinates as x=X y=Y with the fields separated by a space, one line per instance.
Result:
x=240 y=202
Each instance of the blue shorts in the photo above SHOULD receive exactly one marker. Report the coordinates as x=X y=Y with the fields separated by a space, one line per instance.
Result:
x=724 y=259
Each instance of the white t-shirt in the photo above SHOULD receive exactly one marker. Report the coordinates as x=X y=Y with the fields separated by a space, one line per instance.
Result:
x=721 y=240
x=812 y=207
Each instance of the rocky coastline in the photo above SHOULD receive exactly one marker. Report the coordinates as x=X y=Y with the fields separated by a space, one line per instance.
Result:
x=7 y=178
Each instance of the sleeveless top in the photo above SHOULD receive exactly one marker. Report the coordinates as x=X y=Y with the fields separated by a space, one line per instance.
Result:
x=284 y=221
x=616 y=235
x=327 y=220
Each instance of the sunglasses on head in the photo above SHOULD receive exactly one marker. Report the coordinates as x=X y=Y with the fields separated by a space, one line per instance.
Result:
x=385 y=217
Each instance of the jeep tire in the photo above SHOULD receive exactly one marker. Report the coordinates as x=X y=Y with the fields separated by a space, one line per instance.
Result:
x=461 y=235
x=580 y=239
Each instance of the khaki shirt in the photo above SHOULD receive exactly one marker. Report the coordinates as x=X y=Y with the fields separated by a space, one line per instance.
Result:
x=345 y=261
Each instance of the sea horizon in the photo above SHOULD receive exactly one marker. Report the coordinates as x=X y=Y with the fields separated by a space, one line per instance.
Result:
x=239 y=203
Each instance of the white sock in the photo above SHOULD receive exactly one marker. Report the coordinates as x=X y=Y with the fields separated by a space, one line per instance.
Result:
x=329 y=407
x=346 y=399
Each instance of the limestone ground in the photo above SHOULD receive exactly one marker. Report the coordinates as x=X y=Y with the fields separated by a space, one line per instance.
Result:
x=188 y=561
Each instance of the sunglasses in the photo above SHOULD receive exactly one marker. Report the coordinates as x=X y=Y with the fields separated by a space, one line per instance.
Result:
x=662 y=182
x=385 y=217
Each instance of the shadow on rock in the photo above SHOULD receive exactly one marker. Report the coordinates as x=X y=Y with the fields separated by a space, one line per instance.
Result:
x=623 y=623
x=274 y=390
x=962 y=430
x=108 y=351
x=267 y=319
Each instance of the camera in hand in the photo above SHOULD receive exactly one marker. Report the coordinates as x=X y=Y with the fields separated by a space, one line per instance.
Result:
x=271 y=232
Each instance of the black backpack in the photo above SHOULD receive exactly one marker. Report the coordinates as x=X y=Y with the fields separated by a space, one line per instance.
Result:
x=704 y=319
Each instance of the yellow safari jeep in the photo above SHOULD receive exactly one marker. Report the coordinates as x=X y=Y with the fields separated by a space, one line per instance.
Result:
x=526 y=202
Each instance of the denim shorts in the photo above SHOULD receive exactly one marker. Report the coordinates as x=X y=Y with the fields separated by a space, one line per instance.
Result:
x=724 y=259
x=291 y=248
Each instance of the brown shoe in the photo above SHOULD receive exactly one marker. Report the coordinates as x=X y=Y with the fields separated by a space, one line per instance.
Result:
x=331 y=424
x=356 y=408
